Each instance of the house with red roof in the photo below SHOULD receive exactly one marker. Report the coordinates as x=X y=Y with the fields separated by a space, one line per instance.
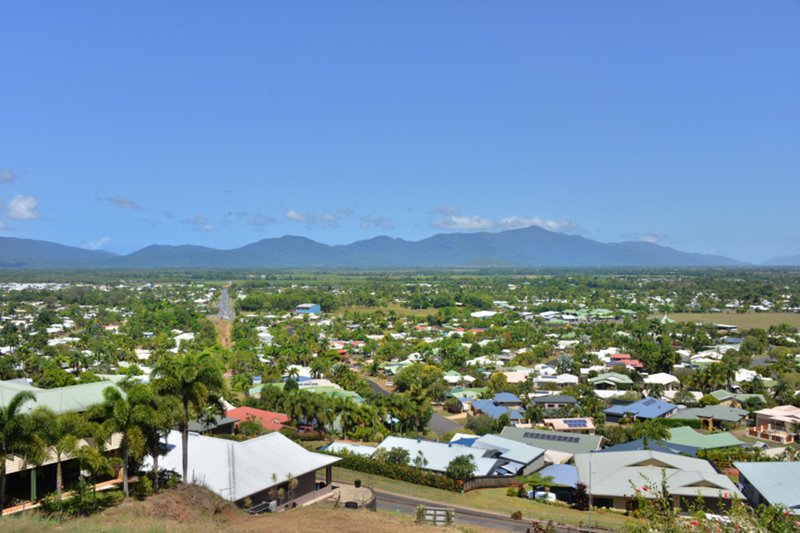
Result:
x=269 y=421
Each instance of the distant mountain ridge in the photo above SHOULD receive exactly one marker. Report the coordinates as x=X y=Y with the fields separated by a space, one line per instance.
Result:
x=526 y=247
x=790 y=260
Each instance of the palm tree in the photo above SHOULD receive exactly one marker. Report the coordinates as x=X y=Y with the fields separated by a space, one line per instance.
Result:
x=193 y=379
x=156 y=429
x=61 y=434
x=17 y=436
x=127 y=414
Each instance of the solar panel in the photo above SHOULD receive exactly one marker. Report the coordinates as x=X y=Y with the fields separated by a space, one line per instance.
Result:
x=649 y=401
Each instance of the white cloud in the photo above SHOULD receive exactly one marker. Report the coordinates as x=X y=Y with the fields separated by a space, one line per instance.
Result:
x=97 y=244
x=313 y=219
x=294 y=215
x=6 y=176
x=450 y=217
x=371 y=221
x=200 y=222
x=122 y=202
x=23 y=207
x=462 y=222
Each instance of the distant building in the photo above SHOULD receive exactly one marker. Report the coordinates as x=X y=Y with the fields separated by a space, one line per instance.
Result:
x=308 y=309
x=645 y=409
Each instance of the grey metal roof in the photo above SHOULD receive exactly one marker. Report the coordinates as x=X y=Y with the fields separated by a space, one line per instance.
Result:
x=717 y=412
x=554 y=440
x=72 y=399
x=440 y=454
x=777 y=482
x=511 y=450
x=617 y=473
x=235 y=470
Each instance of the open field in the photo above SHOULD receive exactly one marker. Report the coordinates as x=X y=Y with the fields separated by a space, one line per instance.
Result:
x=223 y=328
x=195 y=510
x=494 y=500
x=742 y=320
x=389 y=308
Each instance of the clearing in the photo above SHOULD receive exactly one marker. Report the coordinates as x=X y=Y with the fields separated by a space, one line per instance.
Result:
x=742 y=320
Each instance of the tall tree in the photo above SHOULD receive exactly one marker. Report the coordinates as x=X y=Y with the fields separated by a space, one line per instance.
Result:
x=127 y=414
x=17 y=436
x=61 y=434
x=194 y=379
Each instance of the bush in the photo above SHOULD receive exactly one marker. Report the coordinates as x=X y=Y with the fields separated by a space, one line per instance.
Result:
x=143 y=488
x=516 y=515
x=399 y=472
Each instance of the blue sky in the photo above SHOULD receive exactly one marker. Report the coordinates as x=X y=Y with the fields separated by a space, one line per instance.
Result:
x=220 y=123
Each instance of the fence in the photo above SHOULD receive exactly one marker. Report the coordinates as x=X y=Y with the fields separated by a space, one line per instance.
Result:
x=438 y=516
x=490 y=482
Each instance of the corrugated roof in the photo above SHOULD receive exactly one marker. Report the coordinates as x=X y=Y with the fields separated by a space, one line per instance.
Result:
x=615 y=474
x=72 y=399
x=687 y=436
x=553 y=440
x=440 y=454
x=511 y=450
x=235 y=470
x=777 y=482
x=646 y=408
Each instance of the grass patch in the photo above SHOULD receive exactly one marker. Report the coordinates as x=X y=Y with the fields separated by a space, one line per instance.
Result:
x=741 y=320
x=493 y=500
x=400 y=310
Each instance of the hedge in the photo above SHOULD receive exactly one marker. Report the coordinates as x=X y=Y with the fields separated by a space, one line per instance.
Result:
x=400 y=472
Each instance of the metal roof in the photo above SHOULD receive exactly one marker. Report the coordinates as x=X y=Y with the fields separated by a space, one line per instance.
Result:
x=235 y=470
x=72 y=399
x=508 y=449
x=553 y=440
x=617 y=473
x=440 y=454
x=777 y=482
x=645 y=408
x=689 y=437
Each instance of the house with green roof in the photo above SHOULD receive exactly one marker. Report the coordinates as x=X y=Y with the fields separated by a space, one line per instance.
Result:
x=611 y=380
x=71 y=399
x=686 y=436
x=733 y=399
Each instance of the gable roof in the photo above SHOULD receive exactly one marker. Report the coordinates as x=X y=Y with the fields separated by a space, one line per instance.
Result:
x=439 y=454
x=71 y=399
x=269 y=420
x=611 y=377
x=510 y=450
x=645 y=408
x=612 y=474
x=655 y=445
x=554 y=440
x=558 y=398
x=488 y=407
x=716 y=412
x=688 y=437
x=235 y=470
x=776 y=481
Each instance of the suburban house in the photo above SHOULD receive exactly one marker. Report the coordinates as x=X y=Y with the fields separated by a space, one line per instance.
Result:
x=219 y=425
x=521 y=459
x=308 y=309
x=650 y=444
x=611 y=478
x=732 y=399
x=686 y=436
x=503 y=403
x=558 y=401
x=713 y=415
x=784 y=417
x=25 y=481
x=269 y=421
x=436 y=456
x=773 y=483
x=563 y=482
x=246 y=472
x=611 y=380
x=644 y=409
x=576 y=425
x=559 y=446
x=667 y=381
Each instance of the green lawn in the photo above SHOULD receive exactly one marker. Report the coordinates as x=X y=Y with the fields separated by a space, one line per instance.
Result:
x=494 y=500
x=391 y=307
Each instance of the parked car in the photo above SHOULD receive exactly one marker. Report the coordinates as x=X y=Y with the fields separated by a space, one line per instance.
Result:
x=541 y=495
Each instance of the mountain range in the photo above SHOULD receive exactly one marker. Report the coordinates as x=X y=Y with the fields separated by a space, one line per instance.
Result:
x=526 y=247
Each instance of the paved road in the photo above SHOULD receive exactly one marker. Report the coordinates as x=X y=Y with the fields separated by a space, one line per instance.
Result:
x=463 y=516
x=377 y=388
x=441 y=425
x=225 y=309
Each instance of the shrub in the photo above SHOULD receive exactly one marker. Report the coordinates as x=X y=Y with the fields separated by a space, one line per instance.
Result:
x=516 y=515
x=400 y=472
x=143 y=488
